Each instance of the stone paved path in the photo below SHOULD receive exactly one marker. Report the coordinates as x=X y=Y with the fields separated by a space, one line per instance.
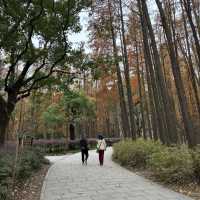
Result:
x=67 y=179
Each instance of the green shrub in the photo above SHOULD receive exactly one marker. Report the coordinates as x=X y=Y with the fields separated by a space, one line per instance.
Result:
x=6 y=163
x=135 y=153
x=172 y=164
x=122 y=150
x=196 y=162
x=30 y=160
x=4 y=193
x=176 y=164
x=6 y=169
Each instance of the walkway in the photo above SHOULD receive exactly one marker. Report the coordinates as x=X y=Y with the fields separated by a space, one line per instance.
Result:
x=67 y=179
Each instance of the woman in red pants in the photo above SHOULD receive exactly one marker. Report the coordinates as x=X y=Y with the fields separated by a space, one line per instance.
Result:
x=101 y=147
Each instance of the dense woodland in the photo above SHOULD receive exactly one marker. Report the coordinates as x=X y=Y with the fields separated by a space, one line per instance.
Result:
x=141 y=77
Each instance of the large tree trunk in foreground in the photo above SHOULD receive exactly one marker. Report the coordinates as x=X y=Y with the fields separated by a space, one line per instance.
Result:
x=3 y=120
x=6 y=109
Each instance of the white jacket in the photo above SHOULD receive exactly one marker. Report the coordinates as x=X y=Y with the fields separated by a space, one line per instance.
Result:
x=101 y=144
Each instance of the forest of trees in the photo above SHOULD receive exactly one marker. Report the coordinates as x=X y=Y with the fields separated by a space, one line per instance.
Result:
x=158 y=43
x=141 y=77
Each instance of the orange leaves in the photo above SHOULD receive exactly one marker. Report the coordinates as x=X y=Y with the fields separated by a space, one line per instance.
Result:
x=134 y=84
x=135 y=89
x=56 y=96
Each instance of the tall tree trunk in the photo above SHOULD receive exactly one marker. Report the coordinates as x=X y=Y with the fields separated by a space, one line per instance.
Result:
x=188 y=9
x=156 y=125
x=169 y=114
x=177 y=78
x=152 y=85
x=124 y=113
x=6 y=108
x=146 y=103
x=196 y=59
x=127 y=76
x=190 y=63
x=197 y=16
x=149 y=99
x=140 y=92
x=4 y=121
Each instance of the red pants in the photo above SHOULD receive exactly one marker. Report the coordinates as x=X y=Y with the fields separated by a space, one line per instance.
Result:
x=101 y=156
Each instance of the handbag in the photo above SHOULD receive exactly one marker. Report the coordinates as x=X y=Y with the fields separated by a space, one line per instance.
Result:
x=97 y=151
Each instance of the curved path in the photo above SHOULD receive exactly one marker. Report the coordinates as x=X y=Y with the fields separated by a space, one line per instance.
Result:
x=67 y=179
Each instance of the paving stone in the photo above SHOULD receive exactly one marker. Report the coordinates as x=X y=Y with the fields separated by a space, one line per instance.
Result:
x=67 y=179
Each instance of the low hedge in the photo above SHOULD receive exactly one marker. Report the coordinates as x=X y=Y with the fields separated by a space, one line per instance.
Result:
x=135 y=153
x=173 y=165
x=30 y=160
x=177 y=164
x=196 y=162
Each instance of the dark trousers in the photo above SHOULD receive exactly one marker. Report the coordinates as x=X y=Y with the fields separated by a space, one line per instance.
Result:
x=101 y=156
x=84 y=154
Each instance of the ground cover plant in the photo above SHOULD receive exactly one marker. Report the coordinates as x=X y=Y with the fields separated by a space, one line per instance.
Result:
x=30 y=161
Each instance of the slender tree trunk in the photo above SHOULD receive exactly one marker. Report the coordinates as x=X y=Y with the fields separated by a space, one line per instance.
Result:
x=177 y=78
x=190 y=64
x=188 y=9
x=152 y=79
x=153 y=122
x=154 y=112
x=140 y=92
x=169 y=114
x=197 y=61
x=124 y=113
x=127 y=77
x=146 y=103
x=149 y=106
x=197 y=17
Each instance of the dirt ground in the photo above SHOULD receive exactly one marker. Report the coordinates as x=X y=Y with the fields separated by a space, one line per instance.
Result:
x=31 y=189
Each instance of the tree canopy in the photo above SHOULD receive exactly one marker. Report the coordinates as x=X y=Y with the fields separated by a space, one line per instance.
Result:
x=34 y=44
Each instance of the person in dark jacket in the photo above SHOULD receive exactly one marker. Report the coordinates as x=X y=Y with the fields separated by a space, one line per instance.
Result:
x=84 y=150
